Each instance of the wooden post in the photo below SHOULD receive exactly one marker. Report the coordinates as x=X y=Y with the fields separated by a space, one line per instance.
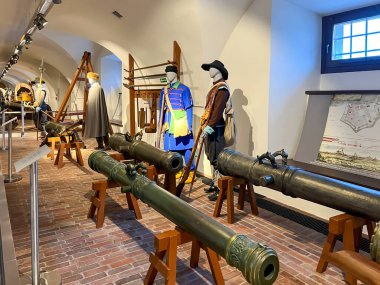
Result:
x=177 y=58
x=132 y=96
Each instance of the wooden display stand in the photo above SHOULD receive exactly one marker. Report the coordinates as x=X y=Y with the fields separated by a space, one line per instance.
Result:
x=53 y=141
x=226 y=186
x=65 y=149
x=98 y=201
x=166 y=243
x=148 y=91
x=349 y=260
x=152 y=173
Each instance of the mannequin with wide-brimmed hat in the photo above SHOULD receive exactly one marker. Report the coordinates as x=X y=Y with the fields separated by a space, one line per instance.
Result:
x=214 y=131
x=96 y=123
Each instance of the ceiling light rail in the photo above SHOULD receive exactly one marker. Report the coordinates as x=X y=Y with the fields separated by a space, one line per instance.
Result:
x=38 y=21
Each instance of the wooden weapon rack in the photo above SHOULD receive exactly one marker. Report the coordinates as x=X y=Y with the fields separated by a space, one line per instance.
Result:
x=147 y=92
x=83 y=68
x=80 y=75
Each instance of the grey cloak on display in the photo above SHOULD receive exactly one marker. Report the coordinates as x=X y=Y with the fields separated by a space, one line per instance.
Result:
x=96 y=124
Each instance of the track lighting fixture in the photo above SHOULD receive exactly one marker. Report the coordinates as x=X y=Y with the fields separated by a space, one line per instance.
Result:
x=40 y=21
x=28 y=39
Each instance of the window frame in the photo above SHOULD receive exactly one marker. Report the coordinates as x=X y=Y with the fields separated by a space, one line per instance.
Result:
x=347 y=65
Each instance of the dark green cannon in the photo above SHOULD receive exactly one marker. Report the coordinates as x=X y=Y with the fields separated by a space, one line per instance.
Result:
x=134 y=148
x=55 y=129
x=258 y=263
x=298 y=183
x=65 y=132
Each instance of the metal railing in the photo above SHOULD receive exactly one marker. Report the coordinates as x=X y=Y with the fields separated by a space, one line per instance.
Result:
x=2 y=271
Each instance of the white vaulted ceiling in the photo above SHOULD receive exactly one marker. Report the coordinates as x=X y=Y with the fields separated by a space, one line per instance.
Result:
x=147 y=28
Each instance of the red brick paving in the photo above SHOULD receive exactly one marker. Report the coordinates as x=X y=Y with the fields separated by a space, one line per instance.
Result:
x=118 y=253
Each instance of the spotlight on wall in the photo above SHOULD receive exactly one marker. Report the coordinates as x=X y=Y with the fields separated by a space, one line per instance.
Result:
x=40 y=21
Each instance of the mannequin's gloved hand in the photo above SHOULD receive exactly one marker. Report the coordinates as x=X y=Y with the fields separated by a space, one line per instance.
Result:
x=207 y=131
x=38 y=109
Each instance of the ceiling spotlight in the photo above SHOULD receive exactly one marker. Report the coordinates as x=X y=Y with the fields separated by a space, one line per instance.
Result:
x=28 y=39
x=15 y=57
x=40 y=21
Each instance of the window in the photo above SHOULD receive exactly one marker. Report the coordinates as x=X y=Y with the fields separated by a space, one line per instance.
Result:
x=351 y=41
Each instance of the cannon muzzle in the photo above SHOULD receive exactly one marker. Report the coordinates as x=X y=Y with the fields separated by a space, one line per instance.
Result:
x=169 y=161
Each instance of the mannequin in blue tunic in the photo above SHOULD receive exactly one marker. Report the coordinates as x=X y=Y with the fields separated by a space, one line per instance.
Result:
x=180 y=99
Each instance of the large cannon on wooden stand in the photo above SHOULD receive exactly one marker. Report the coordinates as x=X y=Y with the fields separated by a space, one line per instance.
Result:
x=298 y=183
x=259 y=264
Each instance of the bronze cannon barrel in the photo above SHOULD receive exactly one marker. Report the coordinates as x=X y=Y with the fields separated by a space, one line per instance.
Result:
x=258 y=263
x=298 y=183
x=58 y=129
x=167 y=160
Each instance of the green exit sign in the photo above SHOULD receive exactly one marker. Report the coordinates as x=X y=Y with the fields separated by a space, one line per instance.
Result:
x=163 y=80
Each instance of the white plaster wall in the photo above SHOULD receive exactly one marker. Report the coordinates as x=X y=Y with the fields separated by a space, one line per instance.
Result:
x=110 y=79
x=295 y=67
x=247 y=57
x=363 y=80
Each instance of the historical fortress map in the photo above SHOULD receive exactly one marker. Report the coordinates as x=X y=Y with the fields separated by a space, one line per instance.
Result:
x=352 y=135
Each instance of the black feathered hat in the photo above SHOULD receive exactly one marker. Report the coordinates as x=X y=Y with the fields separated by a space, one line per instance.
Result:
x=218 y=65
x=171 y=68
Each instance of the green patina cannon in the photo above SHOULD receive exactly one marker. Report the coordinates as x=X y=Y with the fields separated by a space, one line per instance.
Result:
x=298 y=183
x=65 y=132
x=135 y=148
x=258 y=263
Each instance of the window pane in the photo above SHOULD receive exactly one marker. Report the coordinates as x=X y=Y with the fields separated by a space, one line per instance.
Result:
x=337 y=48
x=373 y=41
x=374 y=25
x=358 y=43
x=347 y=45
x=347 y=30
x=346 y=56
x=373 y=53
x=338 y=31
x=356 y=55
x=358 y=28
x=342 y=30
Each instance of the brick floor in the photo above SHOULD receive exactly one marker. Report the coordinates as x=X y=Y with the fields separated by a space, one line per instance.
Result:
x=118 y=253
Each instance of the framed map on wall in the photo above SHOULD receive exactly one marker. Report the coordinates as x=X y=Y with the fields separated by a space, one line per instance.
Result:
x=351 y=139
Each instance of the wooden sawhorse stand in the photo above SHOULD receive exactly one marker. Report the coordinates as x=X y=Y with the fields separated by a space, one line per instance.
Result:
x=226 y=186
x=98 y=201
x=351 y=228
x=53 y=141
x=166 y=243
x=152 y=173
x=68 y=147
